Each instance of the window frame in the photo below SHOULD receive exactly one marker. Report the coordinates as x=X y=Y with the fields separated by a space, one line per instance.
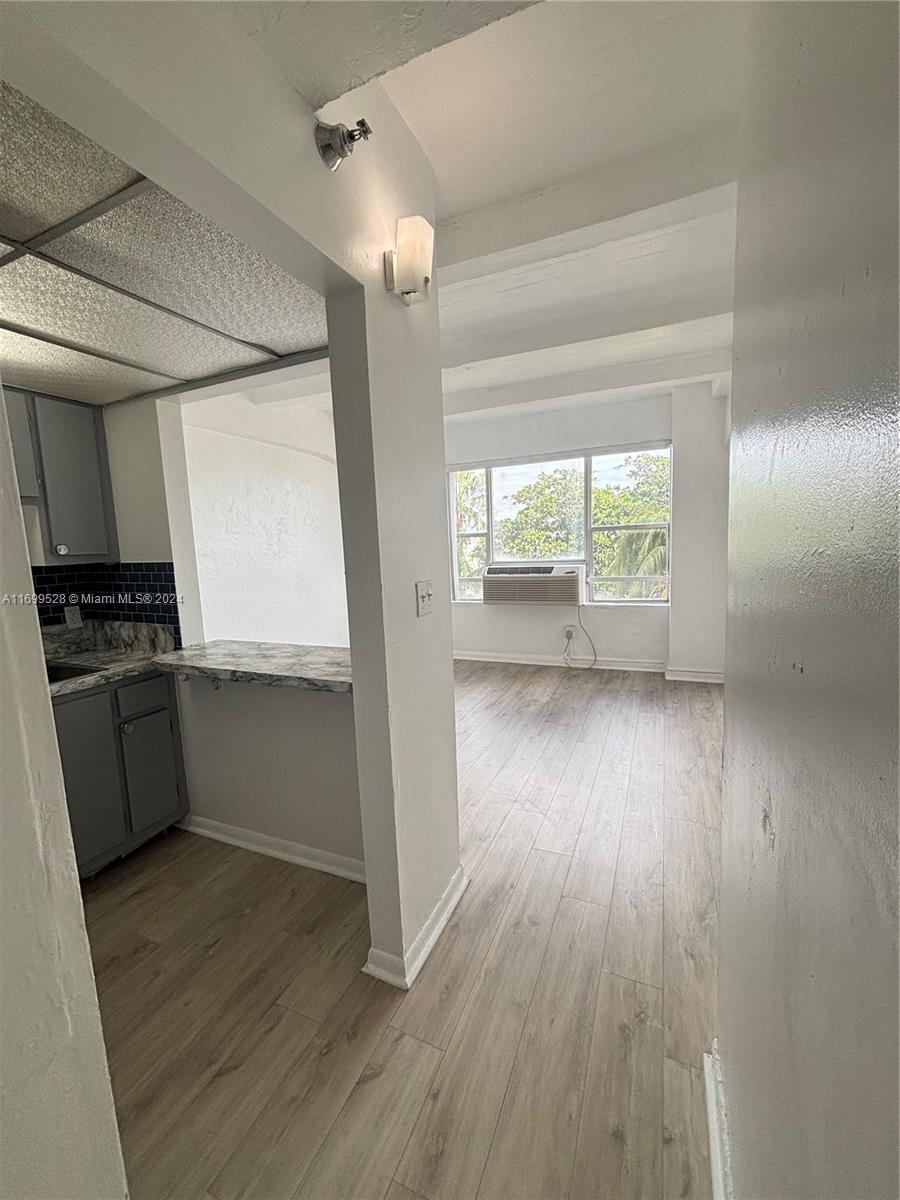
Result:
x=587 y=457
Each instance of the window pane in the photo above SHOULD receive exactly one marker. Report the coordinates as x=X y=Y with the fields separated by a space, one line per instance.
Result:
x=630 y=552
x=468 y=589
x=471 y=555
x=539 y=510
x=471 y=501
x=630 y=589
x=630 y=488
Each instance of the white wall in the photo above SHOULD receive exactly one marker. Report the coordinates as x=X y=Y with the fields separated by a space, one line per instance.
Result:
x=276 y=762
x=136 y=472
x=807 y=1019
x=627 y=636
x=58 y=1135
x=266 y=520
x=634 y=636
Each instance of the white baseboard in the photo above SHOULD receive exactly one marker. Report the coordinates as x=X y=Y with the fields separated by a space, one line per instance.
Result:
x=262 y=843
x=401 y=972
x=556 y=660
x=716 y=1121
x=696 y=676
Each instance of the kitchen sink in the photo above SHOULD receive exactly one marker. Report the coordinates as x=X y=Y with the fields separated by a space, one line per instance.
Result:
x=60 y=670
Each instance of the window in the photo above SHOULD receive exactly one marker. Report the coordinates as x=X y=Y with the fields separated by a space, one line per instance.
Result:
x=608 y=511
x=468 y=496
x=630 y=526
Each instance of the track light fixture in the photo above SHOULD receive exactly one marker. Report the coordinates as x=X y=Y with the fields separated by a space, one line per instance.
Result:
x=336 y=142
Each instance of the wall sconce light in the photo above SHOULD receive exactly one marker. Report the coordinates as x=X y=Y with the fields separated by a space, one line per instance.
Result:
x=336 y=142
x=408 y=269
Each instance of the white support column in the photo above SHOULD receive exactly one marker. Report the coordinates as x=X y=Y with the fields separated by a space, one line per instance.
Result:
x=699 y=534
x=58 y=1134
x=385 y=380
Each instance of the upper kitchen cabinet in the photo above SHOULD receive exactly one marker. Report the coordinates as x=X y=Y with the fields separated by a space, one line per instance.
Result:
x=77 y=491
x=61 y=464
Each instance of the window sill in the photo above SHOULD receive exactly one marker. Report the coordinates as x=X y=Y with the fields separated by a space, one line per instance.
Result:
x=585 y=604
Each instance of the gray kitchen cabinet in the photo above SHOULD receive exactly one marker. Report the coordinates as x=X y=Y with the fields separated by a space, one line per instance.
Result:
x=148 y=749
x=124 y=776
x=76 y=489
x=22 y=445
x=87 y=748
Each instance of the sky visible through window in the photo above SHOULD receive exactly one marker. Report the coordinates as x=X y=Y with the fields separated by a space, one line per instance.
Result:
x=609 y=471
x=508 y=480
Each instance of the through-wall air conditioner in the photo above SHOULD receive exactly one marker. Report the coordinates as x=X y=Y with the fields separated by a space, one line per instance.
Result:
x=533 y=584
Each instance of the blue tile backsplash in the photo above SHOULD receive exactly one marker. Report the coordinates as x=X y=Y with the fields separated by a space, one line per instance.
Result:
x=129 y=591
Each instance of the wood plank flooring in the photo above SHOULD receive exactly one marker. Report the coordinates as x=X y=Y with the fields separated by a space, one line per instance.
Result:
x=550 y=1049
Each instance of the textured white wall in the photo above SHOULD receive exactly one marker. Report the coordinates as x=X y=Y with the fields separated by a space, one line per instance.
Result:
x=267 y=526
x=807 y=1021
x=58 y=1135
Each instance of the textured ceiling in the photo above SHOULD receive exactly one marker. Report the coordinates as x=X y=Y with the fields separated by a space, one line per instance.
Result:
x=44 y=367
x=564 y=89
x=325 y=49
x=50 y=172
x=39 y=296
x=144 y=292
x=162 y=250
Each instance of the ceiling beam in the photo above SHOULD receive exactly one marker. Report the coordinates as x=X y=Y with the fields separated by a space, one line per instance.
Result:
x=588 y=385
x=624 y=187
x=216 y=382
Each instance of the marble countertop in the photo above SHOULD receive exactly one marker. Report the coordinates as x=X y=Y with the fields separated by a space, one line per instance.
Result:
x=109 y=666
x=313 y=668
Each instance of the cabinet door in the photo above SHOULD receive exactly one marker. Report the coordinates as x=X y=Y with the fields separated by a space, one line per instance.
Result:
x=148 y=748
x=70 y=454
x=87 y=747
x=22 y=447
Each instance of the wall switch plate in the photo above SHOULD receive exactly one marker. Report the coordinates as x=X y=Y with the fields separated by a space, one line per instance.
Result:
x=73 y=616
x=424 y=597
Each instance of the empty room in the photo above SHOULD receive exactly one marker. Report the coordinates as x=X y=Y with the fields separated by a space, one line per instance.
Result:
x=449 y=600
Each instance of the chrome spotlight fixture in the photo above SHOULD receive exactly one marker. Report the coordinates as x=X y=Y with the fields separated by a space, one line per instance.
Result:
x=336 y=142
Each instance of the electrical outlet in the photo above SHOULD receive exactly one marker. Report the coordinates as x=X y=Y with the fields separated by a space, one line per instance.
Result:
x=72 y=614
x=569 y=631
x=424 y=597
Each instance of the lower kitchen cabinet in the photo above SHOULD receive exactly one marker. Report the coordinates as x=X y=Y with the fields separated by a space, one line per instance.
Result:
x=86 y=734
x=148 y=749
x=120 y=747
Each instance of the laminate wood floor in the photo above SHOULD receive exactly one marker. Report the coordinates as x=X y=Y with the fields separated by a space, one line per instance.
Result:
x=552 y=1046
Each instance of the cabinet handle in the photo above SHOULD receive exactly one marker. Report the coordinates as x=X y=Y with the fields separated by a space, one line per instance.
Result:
x=128 y=728
x=62 y=549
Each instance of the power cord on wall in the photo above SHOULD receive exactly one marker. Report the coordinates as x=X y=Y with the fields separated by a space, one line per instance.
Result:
x=569 y=636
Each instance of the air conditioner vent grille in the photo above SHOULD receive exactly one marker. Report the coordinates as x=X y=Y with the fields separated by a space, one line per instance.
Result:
x=533 y=585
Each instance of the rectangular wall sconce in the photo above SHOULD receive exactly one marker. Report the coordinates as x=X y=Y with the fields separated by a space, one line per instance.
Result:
x=408 y=269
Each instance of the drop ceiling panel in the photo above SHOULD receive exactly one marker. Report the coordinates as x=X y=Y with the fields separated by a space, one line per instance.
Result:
x=42 y=367
x=48 y=299
x=161 y=250
x=50 y=171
